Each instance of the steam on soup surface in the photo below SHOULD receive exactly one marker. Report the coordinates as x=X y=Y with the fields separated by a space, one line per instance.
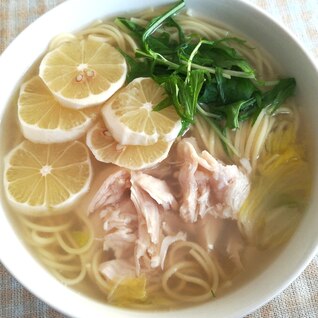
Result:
x=155 y=160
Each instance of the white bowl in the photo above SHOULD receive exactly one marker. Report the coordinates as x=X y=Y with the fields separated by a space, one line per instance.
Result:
x=247 y=19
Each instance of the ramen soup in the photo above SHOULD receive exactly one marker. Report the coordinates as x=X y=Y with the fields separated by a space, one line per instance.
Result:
x=156 y=160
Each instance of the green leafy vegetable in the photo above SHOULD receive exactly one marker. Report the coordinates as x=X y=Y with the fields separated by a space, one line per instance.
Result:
x=130 y=26
x=184 y=95
x=275 y=97
x=201 y=75
x=219 y=99
x=137 y=68
x=157 y=23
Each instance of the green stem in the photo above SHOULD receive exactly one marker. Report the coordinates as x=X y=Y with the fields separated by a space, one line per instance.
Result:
x=160 y=60
x=163 y=61
x=179 y=6
x=193 y=53
x=225 y=73
x=221 y=136
x=204 y=113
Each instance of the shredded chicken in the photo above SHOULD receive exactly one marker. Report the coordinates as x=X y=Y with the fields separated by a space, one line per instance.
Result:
x=148 y=209
x=117 y=269
x=120 y=224
x=209 y=186
x=111 y=190
x=142 y=217
x=157 y=189
x=133 y=221
x=166 y=242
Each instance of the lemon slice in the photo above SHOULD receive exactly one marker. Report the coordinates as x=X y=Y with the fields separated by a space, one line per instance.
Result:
x=106 y=149
x=130 y=117
x=83 y=73
x=40 y=178
x=44 y=120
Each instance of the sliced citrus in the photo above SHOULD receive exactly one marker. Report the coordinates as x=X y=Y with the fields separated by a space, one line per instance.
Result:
x=130 y=117
x=83 y=73
x=44 y=120
x=40 y=178
x=106 y=149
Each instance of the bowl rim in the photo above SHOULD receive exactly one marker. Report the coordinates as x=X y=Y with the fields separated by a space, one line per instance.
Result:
x=5 y=58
